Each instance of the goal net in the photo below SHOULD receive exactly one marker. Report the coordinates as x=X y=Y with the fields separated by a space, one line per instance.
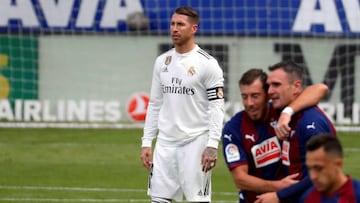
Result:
x=89 y=63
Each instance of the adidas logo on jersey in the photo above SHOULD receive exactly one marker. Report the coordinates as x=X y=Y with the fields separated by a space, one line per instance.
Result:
x=165 y=69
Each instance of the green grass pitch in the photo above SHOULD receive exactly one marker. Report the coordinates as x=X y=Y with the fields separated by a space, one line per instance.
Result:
x=98 y=165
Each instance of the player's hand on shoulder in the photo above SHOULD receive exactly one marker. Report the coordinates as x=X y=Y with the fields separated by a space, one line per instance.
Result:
x=282 y=128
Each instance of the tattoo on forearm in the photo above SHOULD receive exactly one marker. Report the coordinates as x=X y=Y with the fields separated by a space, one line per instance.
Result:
x=210 y=152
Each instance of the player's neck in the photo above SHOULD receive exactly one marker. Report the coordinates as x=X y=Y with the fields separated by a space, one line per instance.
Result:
x=341 y=180
x=185 y=48
x=265 y=115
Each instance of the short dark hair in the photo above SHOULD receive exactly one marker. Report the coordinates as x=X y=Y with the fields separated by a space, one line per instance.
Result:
x=190 y=12
x=251 y=75
x=328 y=141
x=291 y=68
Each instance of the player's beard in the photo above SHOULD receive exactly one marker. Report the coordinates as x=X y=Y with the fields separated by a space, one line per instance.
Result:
x=180 y=40
x=257 y=113
x=254 y=114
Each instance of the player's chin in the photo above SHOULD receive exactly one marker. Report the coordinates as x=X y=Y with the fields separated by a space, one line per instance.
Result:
x=254 y=116
x=176 y=39
x=276 y=103
x=319 y=187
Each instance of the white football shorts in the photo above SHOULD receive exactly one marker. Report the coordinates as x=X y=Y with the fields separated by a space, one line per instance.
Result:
x=177 y=171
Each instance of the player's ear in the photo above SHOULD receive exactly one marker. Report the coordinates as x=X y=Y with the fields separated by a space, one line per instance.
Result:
x=339 y=162
x=298 y=86
x=194 y=28
x=298 y=83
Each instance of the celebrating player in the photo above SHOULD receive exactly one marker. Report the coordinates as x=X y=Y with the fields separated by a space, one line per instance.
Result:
x=250 y=146
x=285 y=83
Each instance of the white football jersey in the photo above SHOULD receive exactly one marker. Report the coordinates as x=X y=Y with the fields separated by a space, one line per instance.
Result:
x=186 y=98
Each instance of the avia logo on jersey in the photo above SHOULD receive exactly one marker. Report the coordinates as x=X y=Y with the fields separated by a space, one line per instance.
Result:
x=267 y=152
x=137 y=106
x=232 y=153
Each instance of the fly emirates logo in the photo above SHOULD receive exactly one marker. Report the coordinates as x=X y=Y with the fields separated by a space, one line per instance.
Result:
x=176 y=87
x=267 y=152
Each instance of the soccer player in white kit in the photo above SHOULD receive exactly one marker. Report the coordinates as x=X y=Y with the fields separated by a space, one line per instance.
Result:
x=185 y=113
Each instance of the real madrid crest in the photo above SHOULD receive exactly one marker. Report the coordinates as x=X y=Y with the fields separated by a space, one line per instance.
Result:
x=191 y=70
x=220 y=93
x=168 y=60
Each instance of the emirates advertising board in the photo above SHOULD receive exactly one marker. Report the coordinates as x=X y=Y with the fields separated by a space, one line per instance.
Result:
x=72 y=79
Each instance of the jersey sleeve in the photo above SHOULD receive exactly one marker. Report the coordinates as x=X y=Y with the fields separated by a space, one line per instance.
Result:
x=214 y=82
x=314 y=122
x=356 y=185
x=233 y=149
x=296 y=190
x=306 y=196
x=214 y=76
x=155 y=102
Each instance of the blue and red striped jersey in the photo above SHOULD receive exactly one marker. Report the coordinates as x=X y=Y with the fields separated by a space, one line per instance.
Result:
x=305 y=124
x=255 y=144
x=348 y=193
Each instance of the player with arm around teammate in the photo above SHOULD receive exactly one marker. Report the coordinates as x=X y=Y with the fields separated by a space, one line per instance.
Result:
x=285 y=84
x=185 y=114
x=250 y=147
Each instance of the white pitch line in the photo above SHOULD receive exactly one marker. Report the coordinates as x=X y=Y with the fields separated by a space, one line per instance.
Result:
x=89 y=189
x=12 y=199
x=69 y=188
x=352 y=149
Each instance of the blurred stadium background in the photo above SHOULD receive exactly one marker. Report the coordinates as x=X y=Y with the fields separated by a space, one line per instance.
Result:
x=88 y=64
